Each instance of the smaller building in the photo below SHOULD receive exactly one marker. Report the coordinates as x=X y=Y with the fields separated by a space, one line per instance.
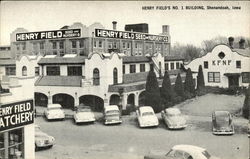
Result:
x=224 y=66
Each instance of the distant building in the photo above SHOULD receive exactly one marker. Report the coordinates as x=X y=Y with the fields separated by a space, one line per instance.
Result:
x=225 y=66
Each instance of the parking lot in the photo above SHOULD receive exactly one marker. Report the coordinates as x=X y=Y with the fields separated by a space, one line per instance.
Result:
x=129 y=141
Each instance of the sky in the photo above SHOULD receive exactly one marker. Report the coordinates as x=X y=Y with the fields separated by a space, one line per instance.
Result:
x=186 y=26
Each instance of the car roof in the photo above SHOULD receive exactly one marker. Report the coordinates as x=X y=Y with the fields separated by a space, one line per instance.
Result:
x=173 y=110
x=146 y=109
x=192 y=150
x=111 y=107
x=54 y=106
x=221 y=113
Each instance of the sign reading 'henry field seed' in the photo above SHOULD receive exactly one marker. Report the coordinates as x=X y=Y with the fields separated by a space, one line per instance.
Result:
x=55 y=34
x=16 y=114
x=130 y=35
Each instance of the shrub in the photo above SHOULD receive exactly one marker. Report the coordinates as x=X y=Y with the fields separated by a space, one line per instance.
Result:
x=178 y=87
x=200 y=79
x=189 y=83
x=246 y=106
x=167 y=92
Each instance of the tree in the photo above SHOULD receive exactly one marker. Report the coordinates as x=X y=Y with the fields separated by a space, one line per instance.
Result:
x=192 y=52
x=167 y=92
x=246 y=106
x=200 y=79
x=179 y=89
x=189 y=83
x=152 y=92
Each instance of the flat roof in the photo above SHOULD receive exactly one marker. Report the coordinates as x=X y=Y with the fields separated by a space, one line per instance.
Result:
x=62 y=60
x=67 y=81
x=135 y=59
x=7 y=62
x=173 y=58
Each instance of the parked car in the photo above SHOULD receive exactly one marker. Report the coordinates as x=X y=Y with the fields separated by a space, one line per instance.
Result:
x=183 y=152
x=54 y=111
x=222 y=122
x=42 y=140
x=112 y=115
x=173 y=118
x=146 y=117
x=84 y=115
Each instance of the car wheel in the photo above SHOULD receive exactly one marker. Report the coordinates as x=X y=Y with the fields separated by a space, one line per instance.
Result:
x=36 y=148
x=50 y=146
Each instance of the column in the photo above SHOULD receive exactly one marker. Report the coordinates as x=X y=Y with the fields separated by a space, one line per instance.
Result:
x=76 y=99
x=6 y=145
x=49 y=98
x=124 y=100
x=136 y=99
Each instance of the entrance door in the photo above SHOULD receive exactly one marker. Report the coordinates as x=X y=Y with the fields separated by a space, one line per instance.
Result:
x=233 y=81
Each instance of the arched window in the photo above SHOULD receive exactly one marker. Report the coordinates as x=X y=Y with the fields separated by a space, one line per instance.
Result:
x=24 y=71
x=96 y=77
x=115 y=78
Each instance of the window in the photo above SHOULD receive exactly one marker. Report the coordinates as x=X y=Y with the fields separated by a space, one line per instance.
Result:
x=17 y=47
x=123 y=69
x=24 y=71
x=142 y=67
x=132 y=69
x=214 y=77
x=24 y=46
x=41 y=45
x=37 y=71
x=74 y=71
x=10 y=70
x=96 y=77
x=123 y=45
x=136 y=45
x=166 y=66
x=54 y=45
x=61 y=45
x=245 y=77
x=177 y=65
x=95 y=44
x=34 y=46
x=11 y=143
x=238 y=64
x=115 y=76
x=61 y=53
x=53 y=71
x=54 y=52
x=172 y=65
x=81 y=44
x=100 y=44
x=115 y=45
x=110 y=45
x=81 y=53
x=73 y=51
x=151 y=67
x=205 y=64
x=128 y=45
x=73 y=43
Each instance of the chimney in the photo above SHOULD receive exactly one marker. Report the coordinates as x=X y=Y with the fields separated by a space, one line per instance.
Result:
x=165 y=29
x=231 y=42
x=114 y=25
x=242 y=44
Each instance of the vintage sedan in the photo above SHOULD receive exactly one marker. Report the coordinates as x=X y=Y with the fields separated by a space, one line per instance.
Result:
x=183 y=152
x=112 y=115
x=173 y=118
x=222 y=123
x=83 y=115
x=146 y=117
x=54 y=111
x=42 y=140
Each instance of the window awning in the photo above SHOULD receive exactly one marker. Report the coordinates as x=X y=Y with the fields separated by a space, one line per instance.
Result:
x=232 y=74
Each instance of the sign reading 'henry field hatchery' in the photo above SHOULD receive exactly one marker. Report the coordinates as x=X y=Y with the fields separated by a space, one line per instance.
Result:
x=55 y=34
x=16 y=114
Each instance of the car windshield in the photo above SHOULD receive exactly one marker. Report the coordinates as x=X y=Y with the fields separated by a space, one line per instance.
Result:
x=147 y=113
x=84 y=110
x=110 y=112
x=206 y=154
x=54 y=108
x=222 y=120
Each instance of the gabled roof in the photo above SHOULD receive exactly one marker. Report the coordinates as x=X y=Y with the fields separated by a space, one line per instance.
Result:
x=67 y=81
x=135 y=59
x=62 y=60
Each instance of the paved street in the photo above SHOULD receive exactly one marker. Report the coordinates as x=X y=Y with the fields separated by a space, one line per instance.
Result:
x=129 y=141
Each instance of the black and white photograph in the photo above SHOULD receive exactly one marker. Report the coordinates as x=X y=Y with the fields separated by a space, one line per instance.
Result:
x=124 y=79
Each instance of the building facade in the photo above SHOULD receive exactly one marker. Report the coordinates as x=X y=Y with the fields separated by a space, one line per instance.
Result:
x=224 y=67
x=93 y=38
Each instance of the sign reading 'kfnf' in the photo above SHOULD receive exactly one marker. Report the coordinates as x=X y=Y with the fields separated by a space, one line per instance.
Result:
x=55 y=34
x=129 y=35
x=16 y=114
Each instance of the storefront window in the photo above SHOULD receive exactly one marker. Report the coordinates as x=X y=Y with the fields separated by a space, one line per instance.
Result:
x=54 y=45
x=61 y=44
x=245 y=77
x=73 y=44
x=214 y=77
x=11 y=144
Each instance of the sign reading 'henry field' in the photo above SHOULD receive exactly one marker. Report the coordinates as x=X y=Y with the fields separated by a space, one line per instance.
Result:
x=54 y=34
x=16 y=114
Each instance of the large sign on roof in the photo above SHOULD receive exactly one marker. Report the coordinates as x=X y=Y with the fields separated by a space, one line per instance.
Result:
x=54 y=34
x=130 y=35
x=16 y=114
